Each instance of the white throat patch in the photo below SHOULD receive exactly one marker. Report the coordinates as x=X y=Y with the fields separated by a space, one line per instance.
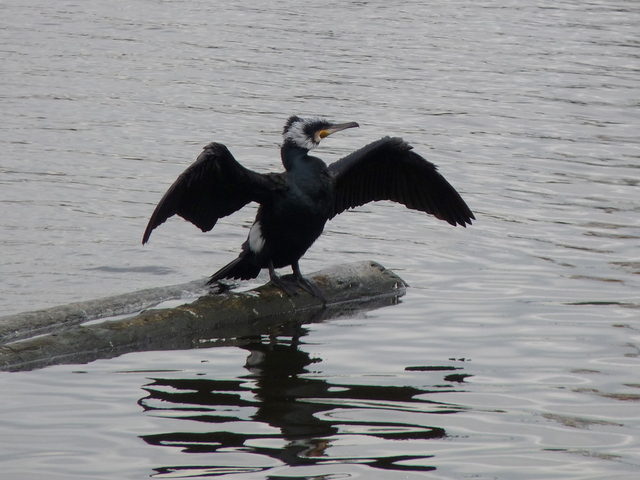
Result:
x=256 y=240
x=298 y=136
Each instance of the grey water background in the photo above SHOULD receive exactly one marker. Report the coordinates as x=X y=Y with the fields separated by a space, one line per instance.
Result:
x=515 y=353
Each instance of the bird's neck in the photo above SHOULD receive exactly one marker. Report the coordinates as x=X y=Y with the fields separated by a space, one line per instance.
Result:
x=293 y=155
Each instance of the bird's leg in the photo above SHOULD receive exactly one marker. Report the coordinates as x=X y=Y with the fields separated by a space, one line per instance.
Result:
x=283 y=285
x=307 y=285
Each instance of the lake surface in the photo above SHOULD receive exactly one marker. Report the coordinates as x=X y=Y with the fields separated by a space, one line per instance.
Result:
x=515 y=353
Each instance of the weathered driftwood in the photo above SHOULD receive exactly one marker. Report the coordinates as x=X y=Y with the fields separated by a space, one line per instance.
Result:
x=210 y=319
x=38 y=322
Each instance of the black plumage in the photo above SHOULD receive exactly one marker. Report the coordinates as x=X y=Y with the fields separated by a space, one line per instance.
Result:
x=295 y=204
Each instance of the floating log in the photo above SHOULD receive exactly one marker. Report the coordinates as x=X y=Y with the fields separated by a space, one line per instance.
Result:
x=38 y=322
x=208 y=321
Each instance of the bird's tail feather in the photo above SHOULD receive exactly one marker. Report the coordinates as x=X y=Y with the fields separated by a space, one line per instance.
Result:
x=242 y=268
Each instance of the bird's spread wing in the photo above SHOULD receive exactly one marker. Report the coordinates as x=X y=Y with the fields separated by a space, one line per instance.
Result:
x=214 y=186
x=390 y=170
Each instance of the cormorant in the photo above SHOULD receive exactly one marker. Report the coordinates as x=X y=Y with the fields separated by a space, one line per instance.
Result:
x=295 y=204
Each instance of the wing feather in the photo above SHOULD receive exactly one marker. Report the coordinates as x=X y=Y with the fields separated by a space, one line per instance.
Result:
x=390 y=170
x=214 y=186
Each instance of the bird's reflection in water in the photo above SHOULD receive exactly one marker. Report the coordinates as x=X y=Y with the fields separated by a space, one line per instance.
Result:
x=283 y=411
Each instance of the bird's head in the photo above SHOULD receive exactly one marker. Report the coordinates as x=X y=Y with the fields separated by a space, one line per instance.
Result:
x=307 y=132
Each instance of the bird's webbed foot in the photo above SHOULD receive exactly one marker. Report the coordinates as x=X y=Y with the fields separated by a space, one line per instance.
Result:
x=311 y=287
x=306 y=284
x=289 y=285
x=286 y=286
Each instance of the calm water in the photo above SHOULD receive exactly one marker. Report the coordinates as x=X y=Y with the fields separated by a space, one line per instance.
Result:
x=515 y=354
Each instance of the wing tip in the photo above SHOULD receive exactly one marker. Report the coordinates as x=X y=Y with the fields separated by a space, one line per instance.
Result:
x=147 y=234
x=467 y=219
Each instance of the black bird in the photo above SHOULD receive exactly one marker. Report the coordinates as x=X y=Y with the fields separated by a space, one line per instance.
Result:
x=296 y=204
